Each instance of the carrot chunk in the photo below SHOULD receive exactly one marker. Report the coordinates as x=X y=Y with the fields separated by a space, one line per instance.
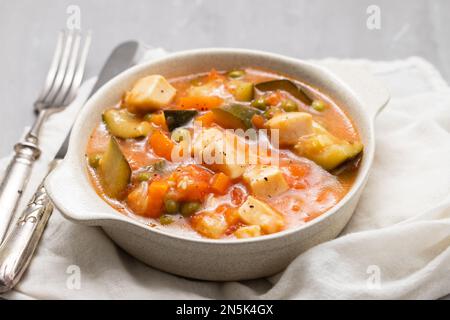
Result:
x=199 y=102
x=220 y=183
x=298 y=170
x=192 y=183
x=213 y=75
x=159 y=120
x=161 y=145
x=231 y=214
x=156 y=192
x=258 y=121
x=273 y=99
x=206 y=119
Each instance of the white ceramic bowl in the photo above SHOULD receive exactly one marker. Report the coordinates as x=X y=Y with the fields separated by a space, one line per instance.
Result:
x=69 y=187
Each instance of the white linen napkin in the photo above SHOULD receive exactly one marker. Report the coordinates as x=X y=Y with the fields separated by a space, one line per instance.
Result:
x=397 y=245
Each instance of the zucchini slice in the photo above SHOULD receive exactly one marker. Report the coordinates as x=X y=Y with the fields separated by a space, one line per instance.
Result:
x=242 y=90
x=285 y=85
x=123 y=124
x=325 y=149
x=114 y=171
x=177 y=118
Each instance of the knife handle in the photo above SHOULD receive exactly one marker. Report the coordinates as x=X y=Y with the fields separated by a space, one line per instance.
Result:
x=15 y=179
x=18 y=248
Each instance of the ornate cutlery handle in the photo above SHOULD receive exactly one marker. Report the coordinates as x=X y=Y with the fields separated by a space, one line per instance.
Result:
x=15 y=179
x=18 y=248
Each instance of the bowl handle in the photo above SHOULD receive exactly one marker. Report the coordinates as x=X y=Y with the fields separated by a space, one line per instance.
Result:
x=368 y=89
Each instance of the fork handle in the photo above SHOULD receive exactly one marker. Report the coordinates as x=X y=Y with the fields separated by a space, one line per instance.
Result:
x=15 y=179
x=18 y=248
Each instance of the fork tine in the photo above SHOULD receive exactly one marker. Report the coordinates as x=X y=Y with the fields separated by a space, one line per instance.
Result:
x=78 y=77
x=69 y=72
x=53 y=68
x=59 y=78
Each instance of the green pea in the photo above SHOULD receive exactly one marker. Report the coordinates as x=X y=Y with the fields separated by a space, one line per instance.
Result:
x=94 y=160
x=289 y=105
x=236 y=74
x=189 y=208
x=171 y=206
x=165 y=220
x=144 y=176
x=259 y=103
x=318 y=105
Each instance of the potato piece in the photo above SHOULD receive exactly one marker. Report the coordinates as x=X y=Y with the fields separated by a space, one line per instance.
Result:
x=149 y=94
x=265 y=181
x=215 y=149
x=248 y=232
x=325 y=149
x=256 y=212
x=291 y=126
x=205 y=90
x=210 y=224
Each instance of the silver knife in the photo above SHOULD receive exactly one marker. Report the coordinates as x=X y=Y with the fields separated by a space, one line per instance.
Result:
x=19 y=245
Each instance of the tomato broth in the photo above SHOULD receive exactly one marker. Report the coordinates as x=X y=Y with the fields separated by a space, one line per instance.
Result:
x=130 y=154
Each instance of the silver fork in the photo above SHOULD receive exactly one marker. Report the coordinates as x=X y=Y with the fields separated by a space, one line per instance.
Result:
x=61 y=85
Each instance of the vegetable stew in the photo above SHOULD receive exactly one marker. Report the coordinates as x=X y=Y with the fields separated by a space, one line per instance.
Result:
x=224 y=154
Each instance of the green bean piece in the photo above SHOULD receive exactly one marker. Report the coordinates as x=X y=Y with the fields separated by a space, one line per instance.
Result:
x=289 y=106
x=236 y=74
x=165 y=220
x=94 y=160
x=189 y=208
x=318 y=105
x=171 y=206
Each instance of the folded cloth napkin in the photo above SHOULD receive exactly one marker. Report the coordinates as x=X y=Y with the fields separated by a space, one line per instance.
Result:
x=397 y=245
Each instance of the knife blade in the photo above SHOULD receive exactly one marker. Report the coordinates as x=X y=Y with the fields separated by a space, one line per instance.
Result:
x=123 y=56
x=19 y=245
